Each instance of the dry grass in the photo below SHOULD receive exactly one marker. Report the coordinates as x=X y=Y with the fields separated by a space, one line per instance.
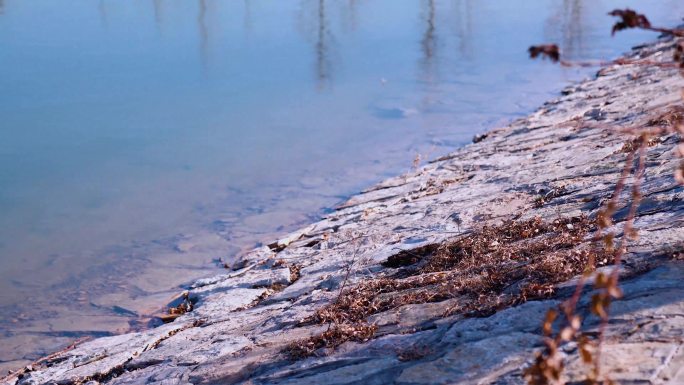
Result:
x=634 y=144
x=490 y=269
x=181 y=305
x=673 y=116
x=331 y=338
x=414 y=352
x=547 y=196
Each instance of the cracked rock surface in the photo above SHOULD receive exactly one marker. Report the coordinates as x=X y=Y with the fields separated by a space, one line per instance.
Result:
x=560 y=161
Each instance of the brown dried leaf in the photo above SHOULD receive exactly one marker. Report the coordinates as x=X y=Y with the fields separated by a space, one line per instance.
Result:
x=567 y=333
x=576 y=322
x=585 y=350
x=546 y=51
x=678 y=55
x=680 y=150
x=633 y=234
x=604 y=218
x=598 y=305
x=609 y=242
x=601 y=281
x=629 y=19
x=615 y=291
x=548 y=322
x=679 y=174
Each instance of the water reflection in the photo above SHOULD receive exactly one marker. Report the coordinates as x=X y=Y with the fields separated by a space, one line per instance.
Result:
x=314 y=22
x=463 y=25
x=203 y=33
x=351 y=12
x=566 y=24
x=428 y=42
x=323 y=64
x=569 y=25
x=102 y=11
x=247 y=17
x=157 y=7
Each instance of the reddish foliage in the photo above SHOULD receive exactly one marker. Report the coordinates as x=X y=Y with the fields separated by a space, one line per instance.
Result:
x=629 y=19
x=549 y=51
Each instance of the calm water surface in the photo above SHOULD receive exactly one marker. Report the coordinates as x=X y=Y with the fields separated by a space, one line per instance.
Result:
x=142 y=140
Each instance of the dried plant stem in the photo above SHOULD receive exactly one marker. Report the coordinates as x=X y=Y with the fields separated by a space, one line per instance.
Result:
x=678 y=32
x=621 y=61
x=628 y=232
x=350 y=266
x=570 y=306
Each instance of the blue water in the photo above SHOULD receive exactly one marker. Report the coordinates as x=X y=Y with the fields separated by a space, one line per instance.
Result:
x=140 y=141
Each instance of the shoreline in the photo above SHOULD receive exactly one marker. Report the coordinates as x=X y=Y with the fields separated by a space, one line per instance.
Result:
x=243 y=320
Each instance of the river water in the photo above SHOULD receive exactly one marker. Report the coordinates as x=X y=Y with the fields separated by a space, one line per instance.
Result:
x=142 y=141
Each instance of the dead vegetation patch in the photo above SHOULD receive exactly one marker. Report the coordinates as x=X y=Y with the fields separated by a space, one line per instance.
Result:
x=295 y=272
x=490 y=269
x=634 y=144
x=672 y=116
x=332 y=338
x=409 y=257
x=414 y=352
x=179 y=306
x=293 y=267
x=547 y=196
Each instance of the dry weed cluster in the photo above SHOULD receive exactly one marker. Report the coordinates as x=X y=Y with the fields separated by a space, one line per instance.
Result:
x=548 y=365
x=492 y=268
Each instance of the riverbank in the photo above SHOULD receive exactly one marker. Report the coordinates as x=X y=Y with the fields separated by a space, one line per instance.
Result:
x=558 y=164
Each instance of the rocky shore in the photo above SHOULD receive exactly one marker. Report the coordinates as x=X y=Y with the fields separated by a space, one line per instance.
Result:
x=360 y=297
